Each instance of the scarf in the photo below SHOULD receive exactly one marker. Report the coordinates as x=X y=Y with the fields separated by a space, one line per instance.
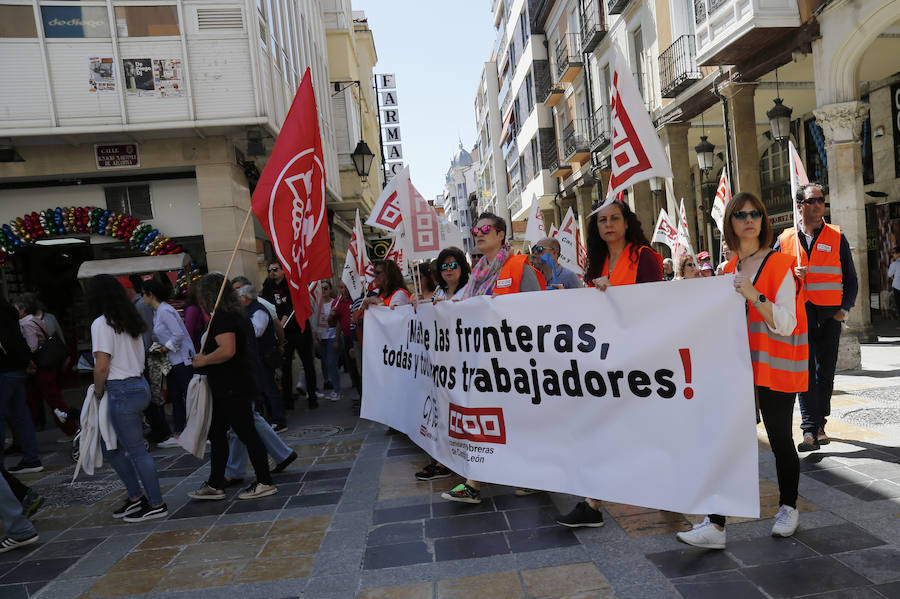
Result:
x=484 y=275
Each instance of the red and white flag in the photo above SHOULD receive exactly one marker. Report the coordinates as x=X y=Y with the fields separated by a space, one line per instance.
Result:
x=665 y=232
x=554 y=232
x=637 y=153
x=723 y=196
x=358 y=270
x=535 y=231
x=798 y=178
x=387 y=213
x=684 y=235
x=395 y=253
x=572 y=253
x=289 y=200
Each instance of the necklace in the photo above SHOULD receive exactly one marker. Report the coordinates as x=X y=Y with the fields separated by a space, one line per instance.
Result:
x=741 y=260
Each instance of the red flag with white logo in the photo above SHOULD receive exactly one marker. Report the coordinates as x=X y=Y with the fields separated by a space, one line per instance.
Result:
x=289 y=200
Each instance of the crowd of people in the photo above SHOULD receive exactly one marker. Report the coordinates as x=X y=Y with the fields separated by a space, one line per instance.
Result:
x=243 y=339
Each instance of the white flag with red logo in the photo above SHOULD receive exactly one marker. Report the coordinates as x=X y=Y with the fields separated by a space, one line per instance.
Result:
x=395 y=253
x=798 y=178
x=387 y=213
x=637 y=153
x=289 y=200
x=723 y=196
x=572 y=253
x=535 y=230
x=358 y=271
x=665 y=232
x=684 y=235
x=423 y=234
x=554 y=232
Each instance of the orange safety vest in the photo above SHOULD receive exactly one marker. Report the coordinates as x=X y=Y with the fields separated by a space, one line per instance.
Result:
x=824 y=277
x=387 y=300
x=626 y=268
x=510 y=278
x=780 y=362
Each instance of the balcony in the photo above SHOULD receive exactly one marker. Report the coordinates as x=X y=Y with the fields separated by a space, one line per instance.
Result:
x=568 y=58
x=678 y=68
x=593 y=29
x=730 y=31
x=600 y=133
x=547 y=91
x=576 y=141
x=616 y=7
x=514 y=201
x=560 y=170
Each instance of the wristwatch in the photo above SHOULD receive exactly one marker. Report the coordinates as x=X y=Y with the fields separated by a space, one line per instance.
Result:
x=760 y=299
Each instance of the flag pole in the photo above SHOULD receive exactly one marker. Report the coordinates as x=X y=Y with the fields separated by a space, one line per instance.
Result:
x=227 y=272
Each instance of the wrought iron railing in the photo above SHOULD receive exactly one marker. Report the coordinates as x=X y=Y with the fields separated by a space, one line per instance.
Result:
x=544 y=84
x=575 y=137
x=617 y=7
x=699 y=11
x=567 y=53
x=514 y=200
x=678 y=66
x=593 y=27
x=600 y=128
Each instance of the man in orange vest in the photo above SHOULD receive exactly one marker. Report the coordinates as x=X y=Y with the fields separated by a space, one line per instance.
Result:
x=830 y=284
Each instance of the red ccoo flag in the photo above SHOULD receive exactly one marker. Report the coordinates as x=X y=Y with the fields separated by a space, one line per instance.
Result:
x=289 y=200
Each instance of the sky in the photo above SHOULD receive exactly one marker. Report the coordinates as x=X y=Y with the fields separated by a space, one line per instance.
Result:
x=436 y=49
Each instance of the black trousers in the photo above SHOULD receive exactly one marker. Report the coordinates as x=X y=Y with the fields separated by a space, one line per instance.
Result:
x=777 y=411
x=350 y=363
x=19 y=489
x=302 y=343
x=235 y=412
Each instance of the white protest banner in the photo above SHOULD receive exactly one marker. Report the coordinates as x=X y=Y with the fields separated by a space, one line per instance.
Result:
x=530 y=390
x=358 y=270
x=535 y=231
x=798 y=178
x=723 y=196
x=572 y=254
x=665 y=232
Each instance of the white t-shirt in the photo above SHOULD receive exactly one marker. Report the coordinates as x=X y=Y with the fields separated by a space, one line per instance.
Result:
x=127 y=352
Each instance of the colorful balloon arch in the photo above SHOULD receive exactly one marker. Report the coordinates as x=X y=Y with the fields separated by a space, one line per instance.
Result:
x=26 y=230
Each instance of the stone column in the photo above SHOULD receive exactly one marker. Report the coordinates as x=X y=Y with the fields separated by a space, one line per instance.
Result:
x=675 y=140
x=642 y=205
x=742 y=124
x=584 y=198
x=841 y=123
x=224 y=202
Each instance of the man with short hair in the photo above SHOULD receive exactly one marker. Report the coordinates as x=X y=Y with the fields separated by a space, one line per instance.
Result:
x=829 y=281
x=668 y=269
x=564 y=278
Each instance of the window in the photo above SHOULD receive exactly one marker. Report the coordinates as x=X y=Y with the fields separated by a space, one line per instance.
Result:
x=17 y=21
x=529 y=93
x=535 y=158
x=75 y=21
x=637 y=39
x=775 y=177
x=523 y=27
x=146 y=21
x=132 y=200
x=605 y=86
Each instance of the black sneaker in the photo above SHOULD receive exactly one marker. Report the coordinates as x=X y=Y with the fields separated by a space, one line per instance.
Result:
x=582 y=515
x=809 y=443
x=129 y=507
x=312 y=402
x=147 y=512
x=31 y=503
x=285 y=463
x=10 y=543
x=24 y=467
x=433 y=472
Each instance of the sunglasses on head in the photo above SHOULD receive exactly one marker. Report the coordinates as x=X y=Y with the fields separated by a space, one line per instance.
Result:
x=449 y=265
x=537 y=249
x=811 y=201
x=483 y=229
x=743 y=214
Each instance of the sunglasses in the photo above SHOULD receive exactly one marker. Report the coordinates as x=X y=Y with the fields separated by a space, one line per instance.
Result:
x=811 y=201
x=743 y=215
x=484 y=229
x=537 y=249
x=274 y=269
x=449 y=265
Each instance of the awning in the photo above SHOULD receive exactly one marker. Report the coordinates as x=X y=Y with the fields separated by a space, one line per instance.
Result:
x=133 y=266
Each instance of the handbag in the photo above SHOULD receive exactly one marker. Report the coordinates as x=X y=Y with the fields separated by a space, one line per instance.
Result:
x=52 y=354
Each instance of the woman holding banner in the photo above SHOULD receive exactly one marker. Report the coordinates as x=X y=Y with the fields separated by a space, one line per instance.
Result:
x=392 y=289
x=499 y=271
x=618 y=253
x=778 y=348
x=452 y=273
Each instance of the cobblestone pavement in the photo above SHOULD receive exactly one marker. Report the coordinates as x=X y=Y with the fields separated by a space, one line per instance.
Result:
x=350 y=520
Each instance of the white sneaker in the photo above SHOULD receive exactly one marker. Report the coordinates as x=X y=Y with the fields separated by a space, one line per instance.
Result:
x=706 y=535
x=168 y=443
x=786 y=521
x=334 y=396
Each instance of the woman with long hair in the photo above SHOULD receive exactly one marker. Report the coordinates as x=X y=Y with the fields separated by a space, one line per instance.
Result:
x=194 y=318
x=169 y=331
x=777 y=330
x=451 y=270
x=118 y=370
x=499 y=271
x=226 y=362
x=618 y=253
x=392 y=289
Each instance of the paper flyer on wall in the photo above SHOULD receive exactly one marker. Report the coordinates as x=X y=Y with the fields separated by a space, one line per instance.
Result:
x=138 y=77
x=167 y=77
x=101 y=74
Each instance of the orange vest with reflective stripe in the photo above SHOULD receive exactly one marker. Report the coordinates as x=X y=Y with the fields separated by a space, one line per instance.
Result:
x=780 y=362
x=510 y=278
x=626 y=268
x=824 y=277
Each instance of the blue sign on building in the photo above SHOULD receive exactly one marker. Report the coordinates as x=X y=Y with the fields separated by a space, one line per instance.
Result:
x=75 y=21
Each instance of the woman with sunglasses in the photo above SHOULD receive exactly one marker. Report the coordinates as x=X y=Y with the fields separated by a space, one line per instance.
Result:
x=452 y=274
x=687 y=268
x=499 y=271
x=618 y=253
x=778 y=349
x=392 y=289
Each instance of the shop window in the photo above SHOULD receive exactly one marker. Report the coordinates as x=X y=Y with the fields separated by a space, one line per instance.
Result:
x=75 y=21
x=147 y=21
x=17 y=21
x=133 y=200
x=775 y=177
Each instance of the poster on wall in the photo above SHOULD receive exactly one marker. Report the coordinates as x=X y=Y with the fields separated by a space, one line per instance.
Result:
x=138 y=77
x=101 y=74
x=167 y=77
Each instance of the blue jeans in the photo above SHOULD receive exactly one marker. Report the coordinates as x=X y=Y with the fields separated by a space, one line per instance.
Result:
x=16 y=525
x=130 y=460
x=330 y=362
x=14 y=409
x=237 y=453
x=824 y=339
